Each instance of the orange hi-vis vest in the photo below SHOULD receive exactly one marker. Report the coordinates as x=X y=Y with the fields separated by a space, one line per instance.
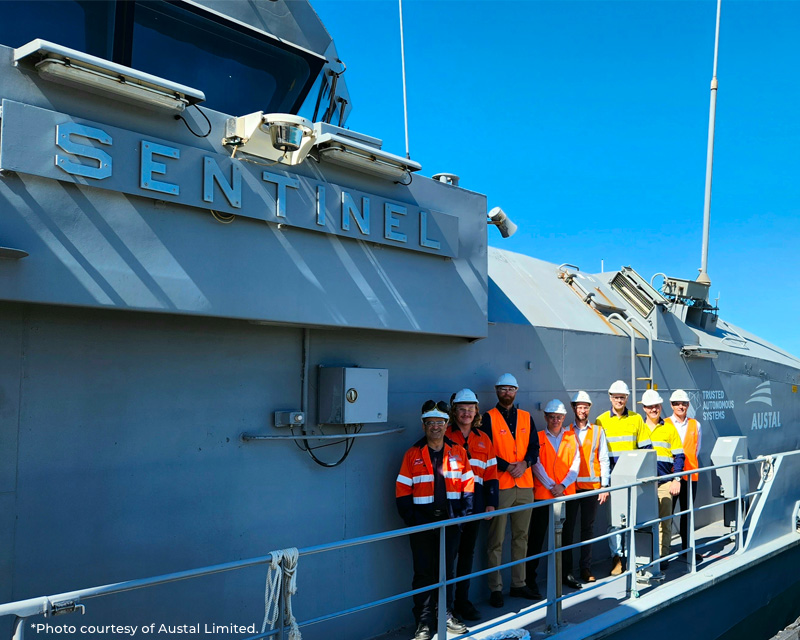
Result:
x=556 y=464
x=512 y=449
x=690 y=447
x=416 y=477
x=481 y=453
x=589 y=475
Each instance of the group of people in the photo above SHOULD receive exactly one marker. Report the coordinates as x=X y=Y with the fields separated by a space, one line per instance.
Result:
x=467 y=463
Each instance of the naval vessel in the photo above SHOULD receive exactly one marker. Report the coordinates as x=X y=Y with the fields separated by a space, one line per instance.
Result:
x=220 y=319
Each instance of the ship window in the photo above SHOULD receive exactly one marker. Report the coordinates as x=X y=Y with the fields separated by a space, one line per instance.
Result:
x=238 y=72
x=85 y=25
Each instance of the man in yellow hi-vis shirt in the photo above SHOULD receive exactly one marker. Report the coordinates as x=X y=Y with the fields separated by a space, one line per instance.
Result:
x=625 y=431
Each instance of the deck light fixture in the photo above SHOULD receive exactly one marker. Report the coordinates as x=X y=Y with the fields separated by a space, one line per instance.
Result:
x=500 y=219
x=77 y=69
x=280 y=137
x=694 y=351
x=361 y=153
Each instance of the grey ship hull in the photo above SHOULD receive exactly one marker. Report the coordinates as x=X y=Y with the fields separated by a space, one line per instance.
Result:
x=123 y=459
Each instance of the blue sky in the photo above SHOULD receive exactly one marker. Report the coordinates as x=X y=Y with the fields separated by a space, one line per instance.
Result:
x=587 y=122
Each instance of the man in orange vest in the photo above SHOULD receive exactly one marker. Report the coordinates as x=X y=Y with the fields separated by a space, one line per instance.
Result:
x=435 y=483
x=690 y=434
x=465 y=420
x=554 y=474
x=594 y=473
x=516 y=448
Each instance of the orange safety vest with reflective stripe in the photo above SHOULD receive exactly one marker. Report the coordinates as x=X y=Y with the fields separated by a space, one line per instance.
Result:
x=589 y=475
x=556 y=464
x=416 y=481
x=512 y=449
x=690 y=447
x=480 y=449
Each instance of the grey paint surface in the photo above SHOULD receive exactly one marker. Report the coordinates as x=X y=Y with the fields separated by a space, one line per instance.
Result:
x=96 y=248
x=40 y=142
x=133 y=419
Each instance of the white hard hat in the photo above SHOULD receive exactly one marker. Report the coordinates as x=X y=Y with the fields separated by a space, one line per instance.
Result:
x=465 y=395
x=555 y=406
x=581 y=396
x=435 y=413
x=506 y=380
x=432 y=409
x=619 y=387
x=650 y=398
x=679 y=395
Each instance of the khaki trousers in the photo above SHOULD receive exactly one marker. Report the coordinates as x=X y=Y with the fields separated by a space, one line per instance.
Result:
x=512 y=497
x=665 y=527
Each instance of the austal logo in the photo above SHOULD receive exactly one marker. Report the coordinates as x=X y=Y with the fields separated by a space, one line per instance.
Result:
x=762 y=394
x=764 y=419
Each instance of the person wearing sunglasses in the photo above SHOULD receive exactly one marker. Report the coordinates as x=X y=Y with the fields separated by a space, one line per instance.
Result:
x=669 y=450
x=435 y=483
x=516 y=447
x=690 y=435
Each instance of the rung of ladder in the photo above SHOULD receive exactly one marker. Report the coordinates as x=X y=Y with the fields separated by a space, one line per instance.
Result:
x=643 y=355
x=644 y=379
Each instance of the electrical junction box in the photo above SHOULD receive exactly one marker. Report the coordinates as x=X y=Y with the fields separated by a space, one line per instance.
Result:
x=352 y=395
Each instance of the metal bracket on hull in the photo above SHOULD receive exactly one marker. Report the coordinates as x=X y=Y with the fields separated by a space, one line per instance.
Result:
x=247 y=437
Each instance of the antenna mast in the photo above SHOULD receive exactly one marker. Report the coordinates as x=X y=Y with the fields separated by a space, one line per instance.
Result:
x=403 y=59
x=703 y=277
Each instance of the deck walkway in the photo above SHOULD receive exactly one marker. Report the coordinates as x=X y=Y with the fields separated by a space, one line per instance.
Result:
x=581 y=604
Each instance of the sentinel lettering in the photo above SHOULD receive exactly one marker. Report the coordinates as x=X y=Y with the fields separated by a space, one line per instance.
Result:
x=180 y=174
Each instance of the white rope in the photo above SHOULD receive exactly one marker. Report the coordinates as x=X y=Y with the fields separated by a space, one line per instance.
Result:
x=282 y=568
x=510 y=634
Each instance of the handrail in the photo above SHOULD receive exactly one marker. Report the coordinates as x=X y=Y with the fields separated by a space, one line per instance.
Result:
x=613 y=316
x=44 y=604
x=647 y=333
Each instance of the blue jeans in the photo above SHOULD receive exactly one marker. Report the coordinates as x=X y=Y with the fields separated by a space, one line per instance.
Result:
x=615 y=542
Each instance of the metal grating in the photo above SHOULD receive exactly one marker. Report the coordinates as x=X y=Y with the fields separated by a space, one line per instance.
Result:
x=637 y=298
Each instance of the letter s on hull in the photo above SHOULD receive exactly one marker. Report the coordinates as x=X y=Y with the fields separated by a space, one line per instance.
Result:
x=64 y=133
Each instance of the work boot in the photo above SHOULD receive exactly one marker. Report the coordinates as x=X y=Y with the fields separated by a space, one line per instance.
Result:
x=616 y=565
x=423 y=632
x=527 y=592
x=496 y=599
x=454 y=625
x=570 y=581
x=586 y=576
x=466 y=610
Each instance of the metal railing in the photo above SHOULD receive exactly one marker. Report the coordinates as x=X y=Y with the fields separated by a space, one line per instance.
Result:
x=71 y=601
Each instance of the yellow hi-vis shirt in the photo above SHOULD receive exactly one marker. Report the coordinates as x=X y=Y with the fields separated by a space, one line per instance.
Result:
x=624 y=433
x=669 y=448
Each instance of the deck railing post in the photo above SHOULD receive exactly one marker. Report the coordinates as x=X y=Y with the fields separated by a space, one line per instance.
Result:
x=739 y=520
x=631 y=547
x=559 y=511
x=441 y=620
x=19 y=629
x=553 y=576
x=282 y=604
x=690 y=492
